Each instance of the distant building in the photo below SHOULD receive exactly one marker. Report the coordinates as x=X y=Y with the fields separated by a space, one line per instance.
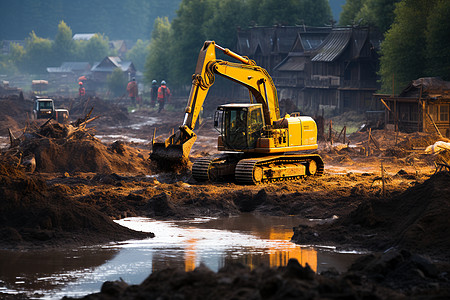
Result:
x=343 y=74
x=267 y=46
x=424 y=105
x=101 y=70
x=83 y=36
x=121 y=47
x=70 y=68
x=7 y=44
x=290 y=74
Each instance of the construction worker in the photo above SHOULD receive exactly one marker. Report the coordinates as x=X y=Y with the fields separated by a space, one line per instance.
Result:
x=81 y=90
x=154 y=93
x=163 y=95
x=132 y=89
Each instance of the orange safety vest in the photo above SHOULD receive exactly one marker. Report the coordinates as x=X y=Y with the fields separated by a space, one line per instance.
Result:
x=132 y=89
x=163 y=93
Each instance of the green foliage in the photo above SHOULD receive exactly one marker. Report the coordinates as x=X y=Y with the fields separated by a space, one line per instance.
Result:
x=117 y=82
x=218 y=20
x=187 y=37
x=7 y=67
x=158 y=58
x=17 y=54
x=404 y=48
x=118 y=19
x=138 y=54
x=95 y=49
x=349 y=12
x=378 y=13
x=38 y=54
x=221 y=27
x=438 y=41
x=64 y=45
x=291 y=12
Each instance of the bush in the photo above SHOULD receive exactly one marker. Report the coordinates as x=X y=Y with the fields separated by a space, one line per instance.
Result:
x=117 y=82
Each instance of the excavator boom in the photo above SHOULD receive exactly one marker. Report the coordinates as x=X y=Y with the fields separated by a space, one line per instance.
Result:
x=174 y=151
x=261 y=147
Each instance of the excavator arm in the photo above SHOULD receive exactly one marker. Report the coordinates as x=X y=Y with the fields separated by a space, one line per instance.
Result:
x=175 y=150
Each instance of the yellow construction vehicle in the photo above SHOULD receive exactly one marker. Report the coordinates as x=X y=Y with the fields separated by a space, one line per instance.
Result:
x=259 y=146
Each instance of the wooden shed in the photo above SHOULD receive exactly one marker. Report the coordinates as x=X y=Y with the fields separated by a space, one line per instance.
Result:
x=423 y=105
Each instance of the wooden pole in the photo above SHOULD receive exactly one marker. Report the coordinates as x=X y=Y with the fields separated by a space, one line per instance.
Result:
x=331 y=132
x=383 y=179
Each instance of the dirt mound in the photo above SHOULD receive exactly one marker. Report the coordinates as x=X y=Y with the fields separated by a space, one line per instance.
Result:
x=33 y=213
x=64 y=148
x=416 y=219
x=109 y=111
x=294 y=281
x=54 y=155
x=14 y=113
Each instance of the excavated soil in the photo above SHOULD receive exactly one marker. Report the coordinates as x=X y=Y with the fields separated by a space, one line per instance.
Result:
x=381 y=198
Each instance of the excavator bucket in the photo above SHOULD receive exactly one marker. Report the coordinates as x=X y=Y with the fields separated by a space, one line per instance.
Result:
x=173 y=153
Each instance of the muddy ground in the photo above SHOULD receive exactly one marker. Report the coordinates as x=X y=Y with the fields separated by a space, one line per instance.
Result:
x=82 y=183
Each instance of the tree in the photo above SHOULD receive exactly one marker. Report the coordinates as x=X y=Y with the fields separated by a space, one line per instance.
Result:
x=293 y=12
x=349 y=11
x=96 y=48
x=117 y=82
x=188 y=37
x=378 y=13
x=37 y=55
x=16 y=55
x=138 y=54
x=315 y=12
x=64 y=45
x=403 y=51
x=158 y=58
x=438 y=42
x=221 y=27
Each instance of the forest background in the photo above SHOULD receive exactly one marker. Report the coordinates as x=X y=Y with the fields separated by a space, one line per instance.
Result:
x=168 y=34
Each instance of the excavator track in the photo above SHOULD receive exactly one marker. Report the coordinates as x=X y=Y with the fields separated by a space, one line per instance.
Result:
x=278 y=168
x=214 y=168
x=200 y=168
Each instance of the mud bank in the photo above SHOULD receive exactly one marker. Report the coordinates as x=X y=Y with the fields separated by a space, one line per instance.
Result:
x=416 y=219
x=36 y=215
x=393 y=275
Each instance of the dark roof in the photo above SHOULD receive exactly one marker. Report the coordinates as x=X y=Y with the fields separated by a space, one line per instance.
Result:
x=338 y=41
x=109 y=63
x=334 y=45
x=279 y=39
x=433 y=87
x=284 y=38
x=68 y=67
x=292 y=63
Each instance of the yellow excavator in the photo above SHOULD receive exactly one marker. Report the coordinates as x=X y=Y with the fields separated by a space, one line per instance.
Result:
x=258 y=145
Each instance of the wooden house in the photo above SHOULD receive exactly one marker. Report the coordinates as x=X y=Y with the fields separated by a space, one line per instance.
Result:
x=424 y=105
x=267 y=46
x=101 y=70
x=290 y=74
x=342 y=74
x=69 y=69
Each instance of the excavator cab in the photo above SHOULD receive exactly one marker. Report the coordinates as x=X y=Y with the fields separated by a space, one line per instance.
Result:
x=240 y=126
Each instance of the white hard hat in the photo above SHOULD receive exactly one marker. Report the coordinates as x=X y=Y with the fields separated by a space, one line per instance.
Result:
x=163 y=82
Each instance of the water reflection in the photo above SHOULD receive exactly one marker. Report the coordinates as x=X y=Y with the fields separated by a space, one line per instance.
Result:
x=40 y=271
x=247 y=239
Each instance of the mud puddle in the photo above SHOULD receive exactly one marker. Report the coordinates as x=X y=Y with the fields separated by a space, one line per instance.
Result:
x=214 y=242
